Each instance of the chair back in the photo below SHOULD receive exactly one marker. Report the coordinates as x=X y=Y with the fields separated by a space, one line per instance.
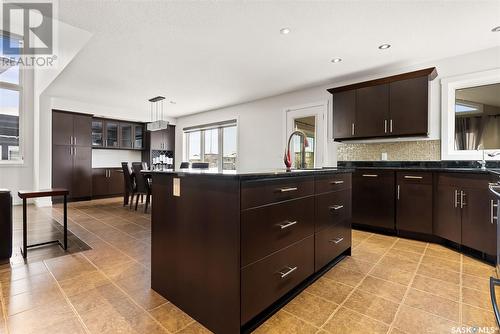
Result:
x=200 y=165
x=127 y=177
x=140 y=181
x=184 y=165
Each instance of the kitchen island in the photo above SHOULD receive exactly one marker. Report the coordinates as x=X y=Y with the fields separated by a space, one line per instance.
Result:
x=229 y=248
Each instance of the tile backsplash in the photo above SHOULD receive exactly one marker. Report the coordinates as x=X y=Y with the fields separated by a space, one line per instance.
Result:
x=422 y=150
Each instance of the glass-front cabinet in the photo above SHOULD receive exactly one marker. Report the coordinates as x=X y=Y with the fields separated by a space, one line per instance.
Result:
x=126 y=136
x=112 y=134
x=138 y=136
x=97 y=133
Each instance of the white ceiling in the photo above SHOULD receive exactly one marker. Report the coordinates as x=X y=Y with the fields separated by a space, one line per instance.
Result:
x=205 y=54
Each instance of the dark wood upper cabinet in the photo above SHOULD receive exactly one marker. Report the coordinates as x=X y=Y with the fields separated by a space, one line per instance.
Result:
x=373 y=193
x=344 y=113
x=97 y=133
x=414 y=202
x=372 y=111
x=62 y=128
x=126 y=135
x=391 y=106
x=111 y=130
x=408 y=106
x=138 y=136
x=82 y=125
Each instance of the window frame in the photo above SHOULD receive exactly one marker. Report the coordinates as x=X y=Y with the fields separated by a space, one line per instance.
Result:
x=220 y=144
x=19 y=88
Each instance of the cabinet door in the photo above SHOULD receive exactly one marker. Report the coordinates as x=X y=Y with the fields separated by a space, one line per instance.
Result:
x=170 y=138
x=344 y=111
x=414 y=203
x=478 y=227
x=97 y=133
x=62 y=128
x=100 y=184
x=112 y=134
x=448 y=215
x=62 y=167
x=126 y=135
x=82 y=172
x=157 y=140
x=372 y=111
x=373 y=195
x=82 y=126
x=116 y=182
x=138 y=136
x=409 y=106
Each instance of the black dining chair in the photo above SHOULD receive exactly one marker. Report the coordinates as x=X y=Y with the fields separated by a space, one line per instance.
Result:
x=142 y=184
x=184 y=165
x=129 y=184
x=200 y=165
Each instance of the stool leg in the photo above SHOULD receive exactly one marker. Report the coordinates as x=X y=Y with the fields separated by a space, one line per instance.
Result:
x=65 y=222
x=25 y=228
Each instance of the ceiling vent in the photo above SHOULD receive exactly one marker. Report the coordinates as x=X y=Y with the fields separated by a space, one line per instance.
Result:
x=158 y=121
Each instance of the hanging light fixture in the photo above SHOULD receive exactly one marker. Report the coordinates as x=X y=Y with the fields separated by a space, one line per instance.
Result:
x=158 y=121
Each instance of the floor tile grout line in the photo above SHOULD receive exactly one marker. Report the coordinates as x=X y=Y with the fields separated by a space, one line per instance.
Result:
x=391 y=326
x=66 y=298
x=183 y=328
x=357 y=285
x=126 y=294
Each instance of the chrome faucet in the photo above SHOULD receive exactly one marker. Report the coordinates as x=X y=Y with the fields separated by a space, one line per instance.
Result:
x=482 y=162
x=287 y=158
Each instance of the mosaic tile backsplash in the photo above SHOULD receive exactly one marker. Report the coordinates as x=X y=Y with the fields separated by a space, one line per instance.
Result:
x=422 y=150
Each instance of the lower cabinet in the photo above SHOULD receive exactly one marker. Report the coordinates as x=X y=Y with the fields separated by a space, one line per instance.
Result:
x=331 y=242
x=414 y=202
x=373 y=198
x=107 y=182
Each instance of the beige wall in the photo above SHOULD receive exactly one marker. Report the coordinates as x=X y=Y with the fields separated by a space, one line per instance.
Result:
x=423 y=150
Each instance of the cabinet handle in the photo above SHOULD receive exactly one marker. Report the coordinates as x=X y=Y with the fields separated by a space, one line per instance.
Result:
x=352 y=129
x=336 y=182
x=285 y=190
x=462 y=199
x=288 y=271
x=370 y=175
x=74 y=140
x=336 y=241
x=413 y=177
x=335 y=207
x=287 y=224
x=390 y=125
x=398 y=191
x=493 y=206
x=456 y=198
x=385 y=126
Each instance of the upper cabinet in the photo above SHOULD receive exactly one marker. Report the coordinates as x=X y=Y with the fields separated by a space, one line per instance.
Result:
x=107 y=133
x=392 y=106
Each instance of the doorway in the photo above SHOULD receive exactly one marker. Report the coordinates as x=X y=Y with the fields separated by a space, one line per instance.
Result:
x=310 y=120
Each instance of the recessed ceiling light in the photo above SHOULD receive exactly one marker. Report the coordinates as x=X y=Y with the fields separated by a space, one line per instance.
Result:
x=172 y=102
x=285 y=31
x=384 y=46
x=336 y=60
x=496 y=29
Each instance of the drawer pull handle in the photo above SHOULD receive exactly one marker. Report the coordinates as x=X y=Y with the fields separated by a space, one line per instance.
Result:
x=288 y=271
x=336 y=182
x=285 y=190
x=336 y=207
x=414 y=177
x=287 y=224
x=493 y=207
x=370 y=175
x=336 y=241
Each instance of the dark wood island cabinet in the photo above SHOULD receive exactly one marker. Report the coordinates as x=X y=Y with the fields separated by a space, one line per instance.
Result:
x=229 y=248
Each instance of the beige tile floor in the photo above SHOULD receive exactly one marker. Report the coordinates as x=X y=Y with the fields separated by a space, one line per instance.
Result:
x=389 y=285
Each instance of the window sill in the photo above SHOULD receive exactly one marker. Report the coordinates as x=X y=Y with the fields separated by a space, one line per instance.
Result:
x=7 y=163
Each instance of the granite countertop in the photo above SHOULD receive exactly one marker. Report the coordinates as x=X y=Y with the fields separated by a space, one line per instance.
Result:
x=253 y=174
x=492 y=167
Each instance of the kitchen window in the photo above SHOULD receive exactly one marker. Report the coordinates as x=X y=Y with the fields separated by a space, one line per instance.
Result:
x=11 y=90
x=215 y=143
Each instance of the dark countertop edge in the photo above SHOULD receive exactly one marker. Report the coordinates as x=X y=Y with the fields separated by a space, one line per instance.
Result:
x=493 y=167
x=257 y=175
x=430 y=169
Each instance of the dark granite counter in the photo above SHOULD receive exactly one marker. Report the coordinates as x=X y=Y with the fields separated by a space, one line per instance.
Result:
x=253 y=174
x=492 y=167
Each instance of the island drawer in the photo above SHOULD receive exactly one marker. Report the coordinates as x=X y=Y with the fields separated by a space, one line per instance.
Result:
x=264 y=282
x=332 y=182
x=261 y=192
x=414 y=178
x=330 y=243
x=332 y=208
x=270 y=228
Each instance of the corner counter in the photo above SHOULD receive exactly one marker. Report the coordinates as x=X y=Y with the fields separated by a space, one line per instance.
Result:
x=230 y=248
